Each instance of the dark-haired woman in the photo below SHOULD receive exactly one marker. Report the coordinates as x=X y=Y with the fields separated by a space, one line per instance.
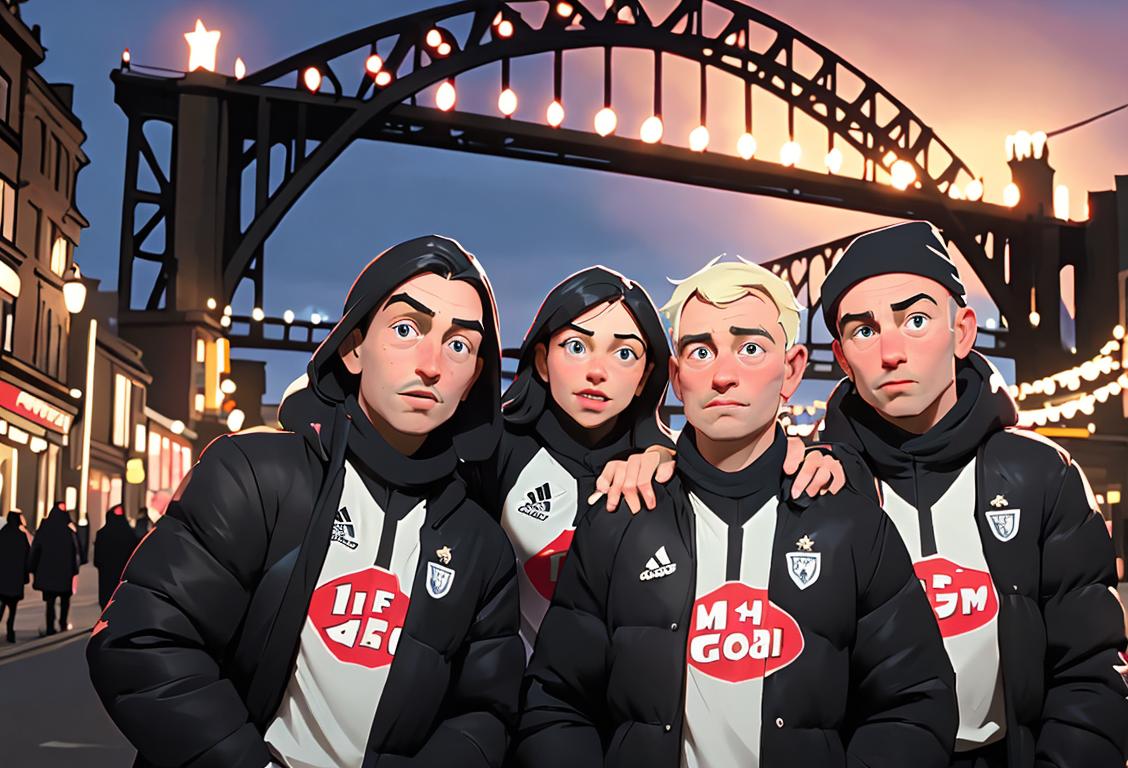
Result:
x=582 y=415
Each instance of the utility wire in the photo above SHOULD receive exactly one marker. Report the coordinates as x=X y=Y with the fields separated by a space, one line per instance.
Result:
x=1094 y=118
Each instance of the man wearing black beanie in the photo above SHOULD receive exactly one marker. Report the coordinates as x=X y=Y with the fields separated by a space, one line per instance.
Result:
x=1000 y=522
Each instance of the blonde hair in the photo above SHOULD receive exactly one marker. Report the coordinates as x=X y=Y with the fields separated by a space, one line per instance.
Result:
x=723 y=283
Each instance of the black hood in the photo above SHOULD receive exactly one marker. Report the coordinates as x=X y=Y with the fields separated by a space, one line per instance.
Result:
x=475 y=427
x=983 y=406
x=528 y=396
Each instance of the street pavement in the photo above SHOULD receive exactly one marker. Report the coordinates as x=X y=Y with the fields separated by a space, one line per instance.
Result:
x=51 y=716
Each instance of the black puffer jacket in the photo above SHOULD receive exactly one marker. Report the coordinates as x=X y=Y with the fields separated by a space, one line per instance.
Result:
x=1059 y=627
x=193 y=655
x=606 y=683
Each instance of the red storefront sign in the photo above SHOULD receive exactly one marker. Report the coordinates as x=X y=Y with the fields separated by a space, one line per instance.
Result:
x=33 y=408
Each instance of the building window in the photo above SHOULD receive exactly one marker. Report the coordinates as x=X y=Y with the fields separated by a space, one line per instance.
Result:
x=7 y=323
x=7 y=211
x=46 y=347
x=59 y=253
x=123 y=388
x=42 y=147
x=5 y=90
x=62 y=171
x=57 y=155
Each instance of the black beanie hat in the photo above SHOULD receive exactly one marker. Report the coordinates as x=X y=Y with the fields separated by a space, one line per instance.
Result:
x=914 y=248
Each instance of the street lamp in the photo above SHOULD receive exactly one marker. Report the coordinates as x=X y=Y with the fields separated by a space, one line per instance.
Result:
x=74 y=291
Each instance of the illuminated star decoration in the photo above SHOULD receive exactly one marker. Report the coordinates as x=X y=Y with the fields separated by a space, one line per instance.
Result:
x=805 y=543
x=202 y=45
x=999 y=501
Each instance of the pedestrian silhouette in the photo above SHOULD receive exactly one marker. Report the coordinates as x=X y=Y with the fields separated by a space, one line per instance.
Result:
x=143 y=523
x=15 y=551
x=54 y=564
x=112 y=549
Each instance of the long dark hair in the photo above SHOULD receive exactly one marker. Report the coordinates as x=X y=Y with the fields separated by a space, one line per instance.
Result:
x=528 y=395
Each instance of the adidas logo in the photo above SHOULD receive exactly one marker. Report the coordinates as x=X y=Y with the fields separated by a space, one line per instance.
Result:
x=540 y=502
x=658 y=566
x=344 y=532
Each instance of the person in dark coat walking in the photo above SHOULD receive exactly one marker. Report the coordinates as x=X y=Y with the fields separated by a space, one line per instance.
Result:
x=54 y=564
x=112 y=548
x=15 y=546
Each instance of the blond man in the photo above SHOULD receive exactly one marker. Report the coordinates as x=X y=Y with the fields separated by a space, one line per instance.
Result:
x=735 y=625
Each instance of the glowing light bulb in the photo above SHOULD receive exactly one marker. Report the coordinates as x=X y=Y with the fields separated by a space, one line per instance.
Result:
x=974 y=190
x=790 y=153
x=443 y=49
x=902 y=174
x=1061 y=202
x=505 y=28
x=699 y=138
x=240 y=68
x=312 y=79
x=211 y=303
x=288 y=316
x=373 y=64
x=651 y=130
x=315 y=318
x=834 y=160
x=1118 y=332
x=605 y=121
x=1011 y=195
x=507 y=102
x=555 y=114
x=434 y=38
x=257 y=314
x=446 y=96
x=746 y=146
x=1035 y=318
x=383 y=77
x=564 y=9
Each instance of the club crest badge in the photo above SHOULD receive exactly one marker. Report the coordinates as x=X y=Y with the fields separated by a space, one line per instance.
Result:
x=804 y=567
x=1004 y=523
x=439 y=579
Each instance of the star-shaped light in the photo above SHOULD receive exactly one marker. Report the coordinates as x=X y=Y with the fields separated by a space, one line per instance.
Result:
x=202 y=45
x=999 y=501
x=805 y=543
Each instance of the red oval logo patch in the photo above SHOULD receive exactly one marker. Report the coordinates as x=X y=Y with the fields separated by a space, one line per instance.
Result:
x=737 y=634
x=359 y=616
x=544 y=568
x=963 y=599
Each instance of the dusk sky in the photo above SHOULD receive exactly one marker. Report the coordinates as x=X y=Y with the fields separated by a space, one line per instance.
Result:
x=972 y=70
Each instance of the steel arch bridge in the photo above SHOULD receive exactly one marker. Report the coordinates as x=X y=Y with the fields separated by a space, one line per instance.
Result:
x=366 y=85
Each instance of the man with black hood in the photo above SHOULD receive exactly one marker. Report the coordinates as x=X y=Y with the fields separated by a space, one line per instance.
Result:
x=1000 y=522
x=329 y=596
x=734 y=625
